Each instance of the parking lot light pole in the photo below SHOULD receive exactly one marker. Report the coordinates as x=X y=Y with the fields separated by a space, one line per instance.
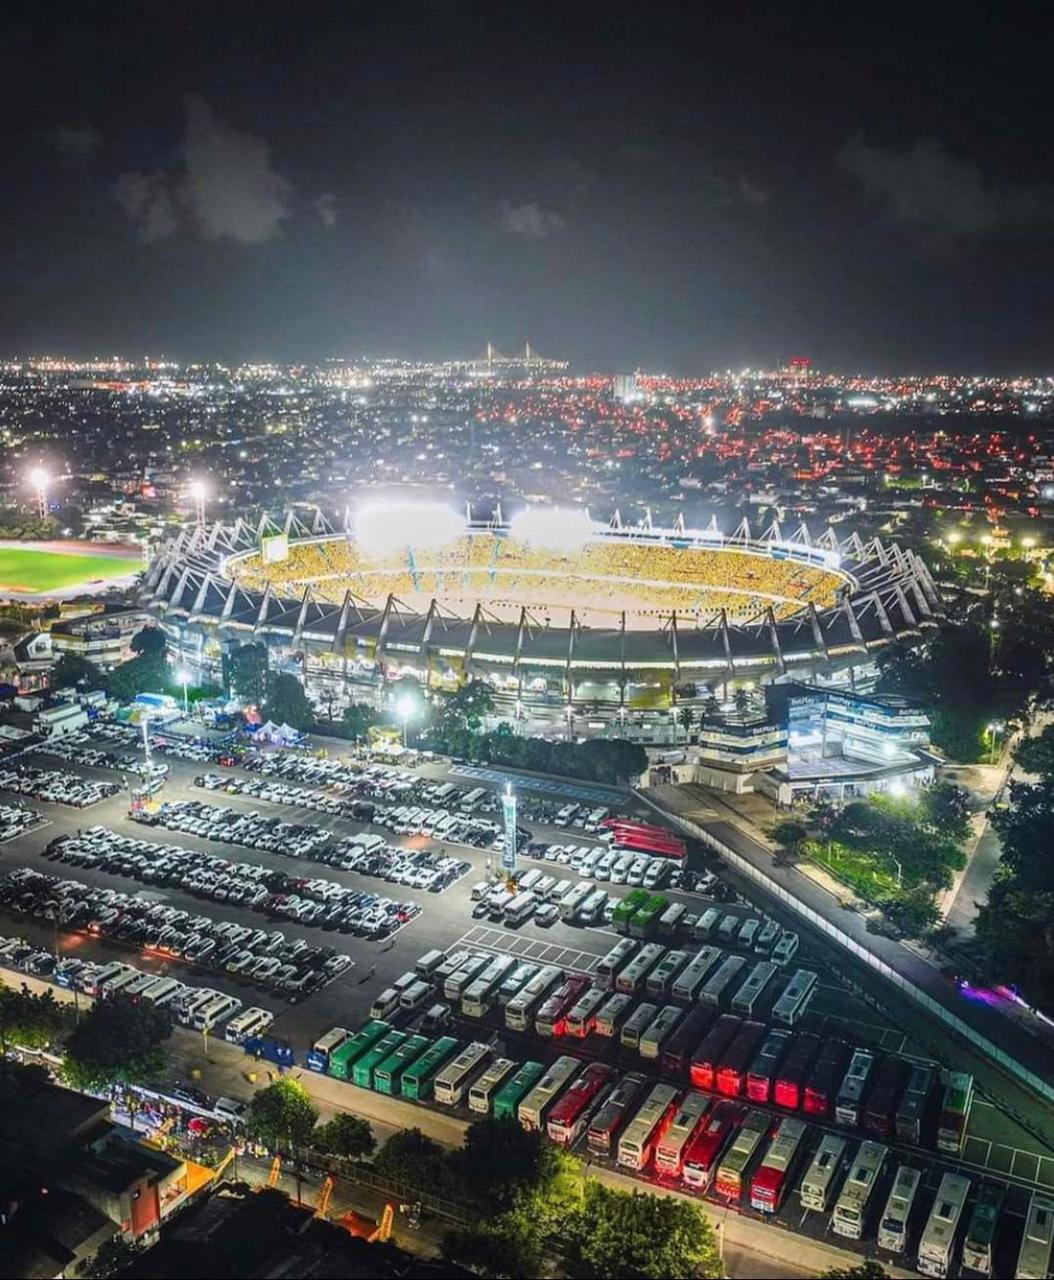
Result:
x=184 y=679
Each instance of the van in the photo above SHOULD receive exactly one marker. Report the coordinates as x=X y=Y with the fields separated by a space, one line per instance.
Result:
x=707 y=922
x=437 y=1016
x=415 y=996
x=747 y=933
x=728 y=928
x=220 y=1007
x=386 y=1003
x=405 y=980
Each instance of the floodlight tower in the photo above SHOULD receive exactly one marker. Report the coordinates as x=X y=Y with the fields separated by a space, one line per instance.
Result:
x=38 y=478
x=199 y=492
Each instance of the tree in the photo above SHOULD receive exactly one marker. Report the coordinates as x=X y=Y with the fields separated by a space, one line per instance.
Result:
x=71 y=669
x=509 y=1246
x=357 y=720
x=498 y=1160
x=789 y=834
x=286 y=701
x=31 y=1021
x=345 y=1135
x=111 y=1258
x=412 y=1158
x=636 y=1233
x=282 y=1116
x=118 y=1040
x=869 y=1269
x=1035 y=755
x=945 y=808
x=711 y=707
x=686 y=718
x=915 y=913
x=742 y=699
x=469 y=706
x=148 y=642
x=246 y=673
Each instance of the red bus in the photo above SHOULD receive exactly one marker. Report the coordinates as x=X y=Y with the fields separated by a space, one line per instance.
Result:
x=644 y=837
x=790 y=1082
x=706 y=1058
x=551 y=1018
x=731 y=1074
x=706 y=1148
x=826 y=1077
x=761 y=1078
x=571 y=1113
x=883 y=1096
x=772 y=1177
x=616 y=1110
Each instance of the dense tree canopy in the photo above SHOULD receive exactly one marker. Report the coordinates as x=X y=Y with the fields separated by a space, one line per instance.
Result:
x=117 y=1040
x=282 y=1116
x=345 y=1135
x=286 y=702
x=245 y=672
x=639 y=1234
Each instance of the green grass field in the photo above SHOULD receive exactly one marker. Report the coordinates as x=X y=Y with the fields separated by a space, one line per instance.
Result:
x=33 y=571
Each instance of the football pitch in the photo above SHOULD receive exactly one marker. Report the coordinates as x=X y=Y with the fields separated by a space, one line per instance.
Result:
x=32 y=571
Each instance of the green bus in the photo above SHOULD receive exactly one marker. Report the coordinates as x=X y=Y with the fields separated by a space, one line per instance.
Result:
x=341 y=1059
x=627 y=909
x=645 y=919
x=388 y=1074
x=508 y=1097
x=417 y=1079
x=362 y=1071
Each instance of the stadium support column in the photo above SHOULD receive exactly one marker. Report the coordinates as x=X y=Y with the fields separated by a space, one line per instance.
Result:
x=622 y=668
x=726 y=641
x=568 y=677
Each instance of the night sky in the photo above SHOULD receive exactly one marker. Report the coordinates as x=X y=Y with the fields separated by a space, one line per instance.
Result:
x=681 y=187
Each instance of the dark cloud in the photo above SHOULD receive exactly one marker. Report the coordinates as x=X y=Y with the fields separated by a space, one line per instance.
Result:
x=925 y=186
x=75 y=140
x=325 y=206
x=146 y=198
x=529 y=221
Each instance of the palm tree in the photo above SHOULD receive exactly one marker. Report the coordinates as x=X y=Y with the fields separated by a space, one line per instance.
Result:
x=686 y=718
x=742 y=699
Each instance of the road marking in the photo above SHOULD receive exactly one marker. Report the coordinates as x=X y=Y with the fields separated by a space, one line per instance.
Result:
x=530 y=949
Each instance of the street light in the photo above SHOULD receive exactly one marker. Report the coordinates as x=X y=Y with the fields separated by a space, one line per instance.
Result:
x=404 y=709
x=199 y=492
x=183 y=676
x=995 y=728
x=38 y=478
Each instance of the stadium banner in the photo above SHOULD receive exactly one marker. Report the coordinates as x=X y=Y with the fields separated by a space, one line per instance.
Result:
x=275 y=548
x=508 y=849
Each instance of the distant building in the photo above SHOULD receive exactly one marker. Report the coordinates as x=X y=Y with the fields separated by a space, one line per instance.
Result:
x=624 y=387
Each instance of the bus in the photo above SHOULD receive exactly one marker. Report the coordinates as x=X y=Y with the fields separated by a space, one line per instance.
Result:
x=689 y=982
x=582 y=1017
x=456 y=984
x=417 y=1079
x=981 y=1229
x=825 y=1076
x=631 y=979
x=636 y=1024
x=515 y=982
x=938 y=1236
x=850 y=1210
x=481 y=1092
x=427 y=965
x=955 y=1111
x=534 y=1108
x=611 y=1014
x=550 y=1020
x=482 y=992
x=797 y=1065
x=573 y=899
x=706 y=1148
x=882 y=1097
x=785 y=950
x=671 y=918
x=703 y=1067
x=363 y=1068
x=608 y=966
x=647 y=1127
x=592 y=909
x=750 y=992
x=848 y=1103
x=732 y=1070
x=250 y=1022
x=572 y=1113
x=761 y=1078
x=509 y=1095
x=317 y=1058
x=717 y=990
x=519 y=1009
x=730 y=1178
x=450 y=966
x=650 y=1043
x=450 y=1083
x=771 y=1179
x=678 y=1048
x=627 y=909
x=893 y=1225
x=660 y=981
x=913 y=1104
x=607 y=1122
x=215 y=1010
x=818 y=1183
x=344 y=1055
x=794 y=998
x=519 y=908
x=669 y=1152
x=529 y=879
x=388 y=1073
x=1033 y=1259
x=645 y=920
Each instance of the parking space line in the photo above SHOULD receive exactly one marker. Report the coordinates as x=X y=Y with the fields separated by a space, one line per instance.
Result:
x=531 y=949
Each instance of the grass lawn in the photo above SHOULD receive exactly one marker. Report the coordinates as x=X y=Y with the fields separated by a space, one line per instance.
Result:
x=864 y=873
x=32 y=571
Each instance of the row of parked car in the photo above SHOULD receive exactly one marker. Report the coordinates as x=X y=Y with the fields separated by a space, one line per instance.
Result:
x=14 y=820
x=55 y=785
x=275 y=791
x=367 y=854
x=77 y=748
x=616 y=866
x=250 y=828
x=289 y=966
x=319 y=902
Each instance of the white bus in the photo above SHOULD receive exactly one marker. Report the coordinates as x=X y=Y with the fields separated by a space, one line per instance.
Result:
x=751 y=991
x=164 y=991
x=473 y=800
x=250 y=1022
x=612 y=1013
x=142 y=982
x=529 y=879
x=520 y=908
x=195 y=999
x=518 y=1011
x=938 y=1236
x=669 y=1153
x=850 y=1096
x=573 y=899
x=451 y=1082
x=794 y=998
x=893 y=1228
x=1033 y=1259
x=660 y=980
x=717 y=990
x=688 y=983
x=850 y=1210
x=582 y=1016
x=636 y=1024
x=455 y=985
x=818 y=1183
x=114 y=982
x=220 y=1007
x=532 y=1111
x=635 y=1145
x=515 y=982
x=632 y=977
x=785 y=950
x=608 y=966
x=415 y=995
x=481 y=1092
x=658 y=1031
x=429 y=963
x=482 y=992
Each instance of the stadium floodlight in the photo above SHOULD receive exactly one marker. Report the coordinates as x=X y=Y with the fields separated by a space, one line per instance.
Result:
x=404 y=709
x=183 y=676
x=385 y=527
x=199 y=491
x=552 y=528
x=38 y=478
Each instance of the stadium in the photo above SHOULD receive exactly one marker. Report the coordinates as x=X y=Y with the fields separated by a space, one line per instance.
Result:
x=552 y=608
